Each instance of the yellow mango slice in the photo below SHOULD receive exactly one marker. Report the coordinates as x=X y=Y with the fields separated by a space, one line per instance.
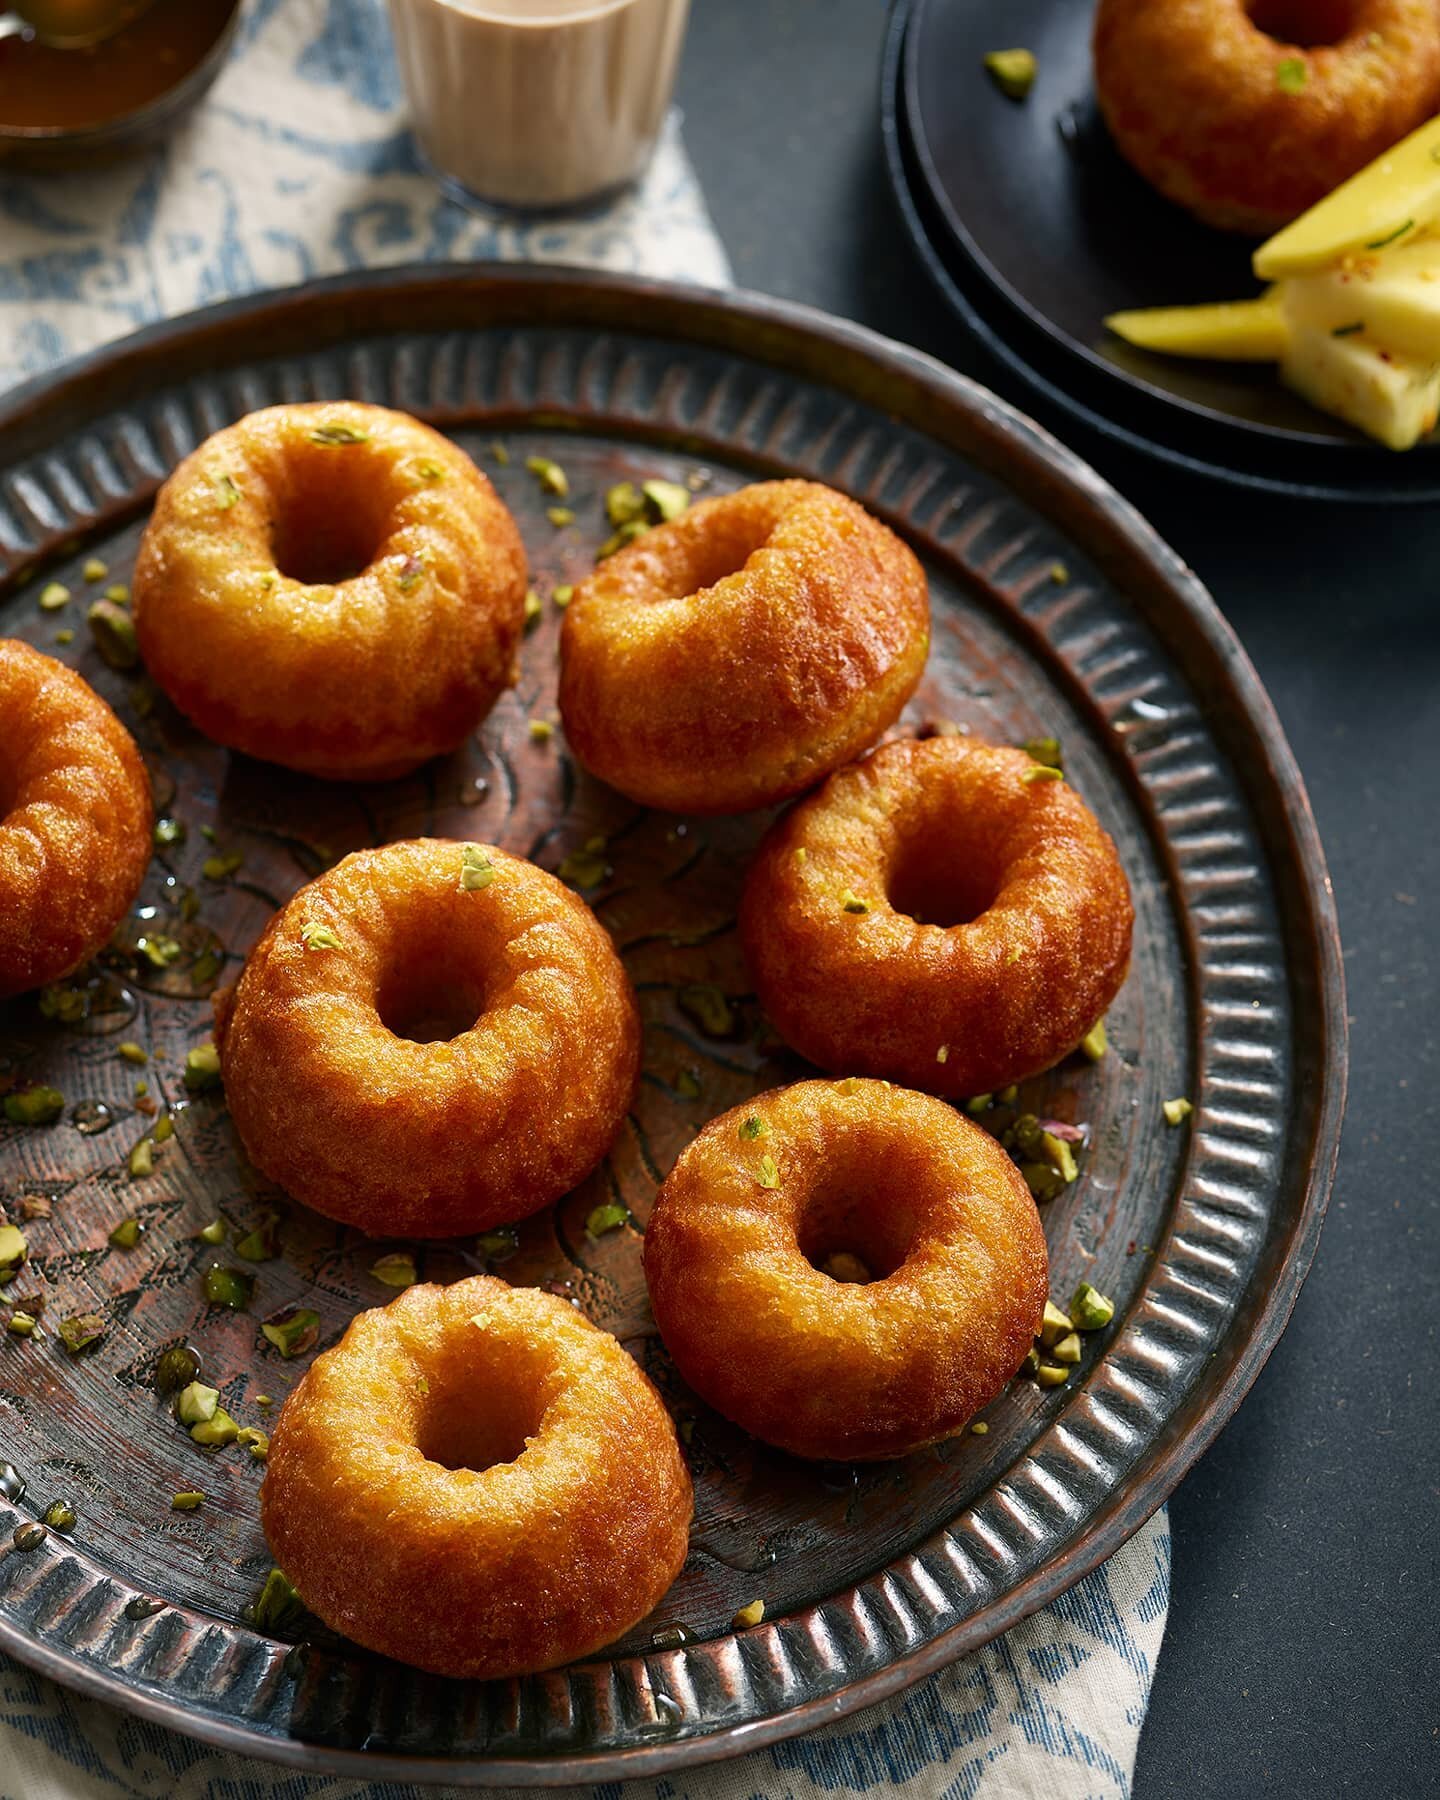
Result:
x=1391 y=297
x=1230 y=330
x=1393 y=398
x=1389 y=201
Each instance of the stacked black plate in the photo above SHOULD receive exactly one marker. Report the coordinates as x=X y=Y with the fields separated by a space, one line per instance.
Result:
x=1034 y=228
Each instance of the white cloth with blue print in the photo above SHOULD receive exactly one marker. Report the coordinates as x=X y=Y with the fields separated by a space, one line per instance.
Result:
x=299 y=164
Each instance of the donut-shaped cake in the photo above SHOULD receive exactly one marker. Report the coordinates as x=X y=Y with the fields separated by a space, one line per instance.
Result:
x=430 y=1038
x=332 y=587
x=75 y=819
x=846 y=1269
x=1247 y=112
x=730 y=658
x=944 y=913
x=478 y=1481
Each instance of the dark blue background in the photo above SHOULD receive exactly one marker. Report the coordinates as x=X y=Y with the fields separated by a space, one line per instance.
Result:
x=1302 y=1655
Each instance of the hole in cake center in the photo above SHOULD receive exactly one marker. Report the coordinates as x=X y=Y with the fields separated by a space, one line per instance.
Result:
x=462 y=1429
x=1306 y=24
x=855 y=1237
x=321 y=548
x=941 y=884
x=430 y=1006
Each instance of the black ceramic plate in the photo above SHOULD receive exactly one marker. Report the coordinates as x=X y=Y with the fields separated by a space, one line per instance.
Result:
x=1056 y=611
x=1035 y=214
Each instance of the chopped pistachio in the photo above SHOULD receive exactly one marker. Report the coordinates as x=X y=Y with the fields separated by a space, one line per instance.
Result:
x=943 y=1054
x=609 y=1217
x=21 y=1324
x=263 y=1243
x=187 y=1501
x=411 y=573
x=339 y=432
x=227 y=492
x=559 y=516
x=845 y=1266
x=1060 y=1157
x=541 y=731
x=1041 y=772
x=429 y=470
x=495 y=1246
x=749 y=1615
x=1031 y=1362
x=62 y=638
x=1095 y=1041
x=476 y=869
x=278 y=1607
x=126 y=1234
x=801 y=853
x=213 y=1233
x=624 y=504
x=533 y=608
x=852 y=902
x=255 y=1441
x=1291 y=74
x=94 y=569
x=1012 y=71
x=53 y=596
x=850 y=1085
x=563 y=595
x=703 y=1002
x=158 y=950
x=59 y=1515
x=1045 y=751
x=218 y=868
x=28 y=1537
x=80 y=1331
x=293 y=1331
x=1176 y=1111
x=500 y=454
x=1043 y=1182
x=1059 y=573
x=1052 y=1374
x=1067 y=1349
x=176 y=1369
x=687 y=1085
x=979 y=1103
x=197 y=1403
x=617 y=540
x=315 y=936
x=666 y=500
x=753 y=1127
x=119 y=593
x=14 y=1250
x=1009 y=1095
x=264 y=1400
x=1090 y=1309
x=397 y=1270
x=228 y=1287
x=980 y=1428
x=1054 y=1325
x=768 y=1175
x=202 y=1068
x=552 y=478
x=207 y=966
x=34 y=1106
x=142 y=1160
x=132 y=1053
x=585 y=868
x=68 y=1004
x=164 y=1130
x=114 y=633
x=209 y=833
x=217 y=1430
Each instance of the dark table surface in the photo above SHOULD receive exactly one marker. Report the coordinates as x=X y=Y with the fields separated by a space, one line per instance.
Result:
x=1302 y=1651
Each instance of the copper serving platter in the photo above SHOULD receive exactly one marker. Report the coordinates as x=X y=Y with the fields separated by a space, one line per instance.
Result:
x=1057 y=612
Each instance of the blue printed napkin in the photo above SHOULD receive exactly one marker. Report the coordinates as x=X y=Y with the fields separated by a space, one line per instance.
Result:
x=300 y=164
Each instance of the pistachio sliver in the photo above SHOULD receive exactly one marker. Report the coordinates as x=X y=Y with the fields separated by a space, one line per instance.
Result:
x=293 y=1331
x=396 y=1270
x=196 y=1403
x=1090 y=1309
x=1054 y=1325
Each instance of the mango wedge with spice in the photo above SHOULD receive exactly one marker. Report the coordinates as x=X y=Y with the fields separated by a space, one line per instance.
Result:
x=1228 y=330
x=1389 y=202
x=1391 y=298
x=1394 y=398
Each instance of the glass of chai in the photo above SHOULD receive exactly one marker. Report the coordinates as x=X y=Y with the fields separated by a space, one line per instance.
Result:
x=538 y=105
